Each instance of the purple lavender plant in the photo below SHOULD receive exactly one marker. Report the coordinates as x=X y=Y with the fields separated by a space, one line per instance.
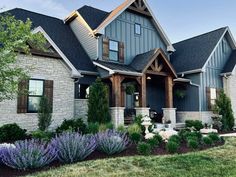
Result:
x=73 y=147
x=28 y=154
x=111 y=141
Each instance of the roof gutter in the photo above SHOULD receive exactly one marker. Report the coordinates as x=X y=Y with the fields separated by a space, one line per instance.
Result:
x=190 y=72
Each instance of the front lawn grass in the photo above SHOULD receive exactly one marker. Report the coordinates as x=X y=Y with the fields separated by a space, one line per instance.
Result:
x=217 y=162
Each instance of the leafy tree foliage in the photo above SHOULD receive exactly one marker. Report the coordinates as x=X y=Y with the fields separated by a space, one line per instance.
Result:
x=14 y=38
x=224 y=108
x=98 y=105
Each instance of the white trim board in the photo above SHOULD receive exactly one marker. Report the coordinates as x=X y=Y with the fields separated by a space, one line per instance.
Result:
x=74 y=72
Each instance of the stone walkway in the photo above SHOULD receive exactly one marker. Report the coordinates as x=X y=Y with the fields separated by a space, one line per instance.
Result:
x=229 y=135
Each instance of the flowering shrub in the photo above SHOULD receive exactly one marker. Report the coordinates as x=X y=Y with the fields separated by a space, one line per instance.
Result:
x=112 y=141
x=73 y=147
x=28 y=154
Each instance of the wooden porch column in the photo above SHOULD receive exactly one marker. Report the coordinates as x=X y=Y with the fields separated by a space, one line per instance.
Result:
x=143 y=93
x=116 y=91
x=169 y=91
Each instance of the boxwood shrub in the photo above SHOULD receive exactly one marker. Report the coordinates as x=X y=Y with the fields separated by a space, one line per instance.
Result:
x=194 y=123
x=144 y=148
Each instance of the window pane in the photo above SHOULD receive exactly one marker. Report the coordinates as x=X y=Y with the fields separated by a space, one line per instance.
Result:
x=137 y=29
x=36 y=87
x=213 y=93
x=113 y=45
x=113 y=55
x=33 y=104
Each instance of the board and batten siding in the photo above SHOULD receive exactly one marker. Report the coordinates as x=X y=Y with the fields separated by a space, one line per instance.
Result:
x=191 y=100
x=89 y=43
x=122 y=29
x=211 y=77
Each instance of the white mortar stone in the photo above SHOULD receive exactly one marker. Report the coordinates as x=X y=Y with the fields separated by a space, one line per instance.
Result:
x=204 y=116
x=142 y=111
x=170 y=114
x=81 y=109
x=63 y=92
x=117 y=115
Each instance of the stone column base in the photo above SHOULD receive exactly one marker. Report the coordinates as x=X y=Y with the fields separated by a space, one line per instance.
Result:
x=170 y=114
x=117 y=115
x=142 y=111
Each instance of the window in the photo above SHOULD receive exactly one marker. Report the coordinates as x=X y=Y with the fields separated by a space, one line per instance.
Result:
x=81 y=91
x=36 y=91
x=113 y=50
x=137 y=29
x=213 y=96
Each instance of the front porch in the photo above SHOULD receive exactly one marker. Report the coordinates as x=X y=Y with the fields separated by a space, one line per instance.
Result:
x=152 y=79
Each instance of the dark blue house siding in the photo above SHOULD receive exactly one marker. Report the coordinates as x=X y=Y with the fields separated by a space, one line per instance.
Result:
x=211 y=77
x=122 y=29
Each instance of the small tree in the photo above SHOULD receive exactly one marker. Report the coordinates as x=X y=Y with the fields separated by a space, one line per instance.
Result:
x=14 y=38
x=98 y=104
x=224 y=108
x=44 y=114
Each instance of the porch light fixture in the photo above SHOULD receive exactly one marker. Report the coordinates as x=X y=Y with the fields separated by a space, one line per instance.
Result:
x=149 y=78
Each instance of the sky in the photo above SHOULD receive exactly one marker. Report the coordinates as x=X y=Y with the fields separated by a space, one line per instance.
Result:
x=180 y=19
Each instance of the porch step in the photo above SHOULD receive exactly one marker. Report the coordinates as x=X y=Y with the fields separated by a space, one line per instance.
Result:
x=128 y=120
x=180 y=126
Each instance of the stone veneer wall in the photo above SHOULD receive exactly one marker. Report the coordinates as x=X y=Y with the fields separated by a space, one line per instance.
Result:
x=229 y=88
x=81 y=109
x=205 y=116
x=63 y=92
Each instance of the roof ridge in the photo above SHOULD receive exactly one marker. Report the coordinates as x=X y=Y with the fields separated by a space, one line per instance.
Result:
x=93 y=8
x=18 y=8
x=206 y=33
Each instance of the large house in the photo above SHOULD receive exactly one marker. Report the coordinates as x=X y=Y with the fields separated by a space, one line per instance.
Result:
x=126 y=48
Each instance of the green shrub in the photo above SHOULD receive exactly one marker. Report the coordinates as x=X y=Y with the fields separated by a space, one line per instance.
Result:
x=182 y=133
x=207 y=141
x=144 y=148
x=134 y=128
x=72 y=125
x=135 y=137
x=93 y=128
x=224 y=107
x=193 y=135
x=122 y=129
x=42 y=135
x=11 y=132
x=172 y=146
x=175 y=138
x=98 y=104
x=193 y=143
x=153 y=142
x=158 y=138
x=104 y=127
x=194 y=123
x=44 y=114
x=214 y=136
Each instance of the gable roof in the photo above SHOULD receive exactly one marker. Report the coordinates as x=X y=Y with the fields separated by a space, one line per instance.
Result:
x=93 y=16
x=97 y=19
x=230 y=65
x=61 y=34
x=192 y=54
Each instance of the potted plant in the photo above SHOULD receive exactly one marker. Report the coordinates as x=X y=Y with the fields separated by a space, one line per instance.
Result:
x=180 y=93
x=130 y=89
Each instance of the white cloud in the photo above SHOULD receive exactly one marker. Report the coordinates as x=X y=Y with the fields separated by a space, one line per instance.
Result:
x=48 y=7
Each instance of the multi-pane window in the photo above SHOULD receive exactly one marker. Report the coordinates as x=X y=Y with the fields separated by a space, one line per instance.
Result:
x=137 y=29
x=113 y=50
x=213 y=96
x=36 y=91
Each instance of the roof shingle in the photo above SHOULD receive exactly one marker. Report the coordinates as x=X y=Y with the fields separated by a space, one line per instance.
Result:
x=61 y=34
x=230 y=65
x=192 y=54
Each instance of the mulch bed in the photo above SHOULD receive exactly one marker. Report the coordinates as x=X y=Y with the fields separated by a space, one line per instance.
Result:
x=227 y=132
x=131 y=151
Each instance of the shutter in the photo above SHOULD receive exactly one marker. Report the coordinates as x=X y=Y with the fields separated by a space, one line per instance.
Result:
x=105 y=45
x=48 y=91
x=208 y=96
x=121 y=52
x=22 y=96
